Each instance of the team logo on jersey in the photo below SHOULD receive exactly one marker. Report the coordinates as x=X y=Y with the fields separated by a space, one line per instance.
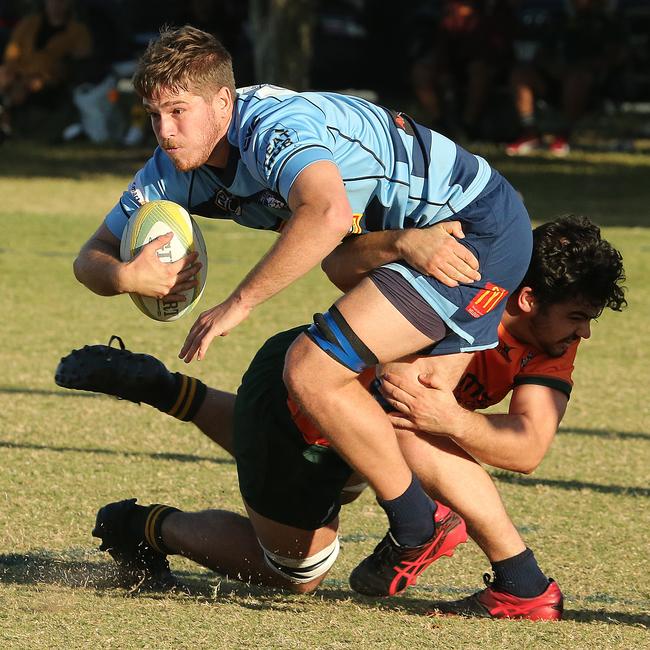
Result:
x=280 y=140
x=526 y=359
x=355 y=228
x=504 y=350
x=270 y=199
x=399 y=121
x=486 y=300
x=226 y=202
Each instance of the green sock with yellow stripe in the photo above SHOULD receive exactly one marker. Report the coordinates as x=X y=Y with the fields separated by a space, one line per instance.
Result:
x=146 y=523
x=184 y=398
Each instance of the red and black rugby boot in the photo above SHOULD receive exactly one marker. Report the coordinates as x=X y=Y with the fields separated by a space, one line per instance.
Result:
x=490 y=603
x=392 y=568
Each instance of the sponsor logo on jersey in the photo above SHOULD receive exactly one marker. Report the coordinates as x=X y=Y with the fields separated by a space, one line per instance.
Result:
x=249 y=133
x=280 y=140
x=226 y=202
x=526 y=359
x=486 y=300
x=355 y=228
x=471 y=393
x=136 y=193
x=504 y=350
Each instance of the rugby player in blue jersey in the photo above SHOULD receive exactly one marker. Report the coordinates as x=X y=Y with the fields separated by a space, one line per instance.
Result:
x=318 y=167
x=293 y=485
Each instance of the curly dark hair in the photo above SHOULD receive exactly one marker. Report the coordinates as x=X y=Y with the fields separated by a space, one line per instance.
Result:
x=570 y=260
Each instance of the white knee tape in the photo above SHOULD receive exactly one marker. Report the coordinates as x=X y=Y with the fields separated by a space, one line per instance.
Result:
x=356 y=488
x=303 y=569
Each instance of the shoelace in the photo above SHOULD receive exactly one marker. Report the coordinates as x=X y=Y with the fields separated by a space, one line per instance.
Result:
x=120 y=342
x=488 y=580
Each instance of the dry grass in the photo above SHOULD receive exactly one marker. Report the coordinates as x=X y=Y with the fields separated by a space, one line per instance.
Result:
x=585 y=511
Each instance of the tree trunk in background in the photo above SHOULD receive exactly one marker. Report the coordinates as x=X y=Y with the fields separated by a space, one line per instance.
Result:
x=282 y=38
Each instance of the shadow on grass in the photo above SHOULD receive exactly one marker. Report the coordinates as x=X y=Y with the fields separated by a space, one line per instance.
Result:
x=562 y=484
x=73 y=569
x=45 y=567
x=602 y=616
x=553 y=186
x=183 y=458
x=39 y=391
x=606 y=433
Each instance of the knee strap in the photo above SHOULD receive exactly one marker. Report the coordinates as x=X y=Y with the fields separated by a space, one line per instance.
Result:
x=332 y=334
x=303 y=569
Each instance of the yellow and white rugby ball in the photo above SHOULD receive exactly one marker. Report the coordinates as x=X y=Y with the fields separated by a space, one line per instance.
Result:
x=150 y=221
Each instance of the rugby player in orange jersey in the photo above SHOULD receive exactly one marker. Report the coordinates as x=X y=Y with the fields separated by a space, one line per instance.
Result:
x=293 y=484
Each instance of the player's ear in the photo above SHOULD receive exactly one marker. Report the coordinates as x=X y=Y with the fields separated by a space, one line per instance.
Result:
x=224 y=99
x=526 y=300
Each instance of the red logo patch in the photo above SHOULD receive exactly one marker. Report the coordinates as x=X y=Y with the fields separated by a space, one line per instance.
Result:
x=355 y=228
x=486 y=300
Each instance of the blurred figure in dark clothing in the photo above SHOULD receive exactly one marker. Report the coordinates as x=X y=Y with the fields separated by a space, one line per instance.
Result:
x=584 y=48
x=38 y=56
x=471 y=49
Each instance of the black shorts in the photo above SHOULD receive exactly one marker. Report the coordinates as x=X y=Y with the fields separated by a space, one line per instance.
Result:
x=281 y=476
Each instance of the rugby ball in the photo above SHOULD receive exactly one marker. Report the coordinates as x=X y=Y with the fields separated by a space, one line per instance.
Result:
x=150 y=221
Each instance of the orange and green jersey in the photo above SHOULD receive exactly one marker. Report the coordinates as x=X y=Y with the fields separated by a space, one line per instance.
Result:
x=492 y=374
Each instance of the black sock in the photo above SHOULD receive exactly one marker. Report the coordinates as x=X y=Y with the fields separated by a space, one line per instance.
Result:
x=410 y=516
x=181 y=398
x=146 y=523
x=519 y=575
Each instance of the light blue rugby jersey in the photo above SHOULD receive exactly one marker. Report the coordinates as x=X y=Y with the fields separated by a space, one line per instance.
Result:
x=397 y=174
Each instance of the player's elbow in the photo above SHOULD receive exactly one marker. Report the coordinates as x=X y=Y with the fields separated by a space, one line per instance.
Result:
x=332 y=269
x=78 y=268
x=338 y=219
x=527 y=463
x=528 y=468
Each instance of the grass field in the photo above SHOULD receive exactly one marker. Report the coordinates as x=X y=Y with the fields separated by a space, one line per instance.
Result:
x=585 y=511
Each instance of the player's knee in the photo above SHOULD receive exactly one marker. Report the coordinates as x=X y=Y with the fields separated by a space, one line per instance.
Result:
x=303 y=575
x=305 y=587
x=298 y=374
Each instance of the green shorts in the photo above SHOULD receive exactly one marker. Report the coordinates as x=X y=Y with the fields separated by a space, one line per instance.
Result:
x=281 y=476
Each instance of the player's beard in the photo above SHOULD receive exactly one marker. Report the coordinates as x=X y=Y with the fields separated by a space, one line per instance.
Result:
x=541 y=325
x=188 y=159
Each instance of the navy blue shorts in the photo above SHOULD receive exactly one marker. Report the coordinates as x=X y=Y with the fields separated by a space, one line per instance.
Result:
x=498 y=232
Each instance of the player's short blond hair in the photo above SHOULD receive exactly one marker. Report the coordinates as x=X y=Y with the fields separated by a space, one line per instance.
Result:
x=184 y=59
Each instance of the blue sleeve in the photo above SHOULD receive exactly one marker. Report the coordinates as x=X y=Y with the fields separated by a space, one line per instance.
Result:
x=283 y=139
x=158 y=179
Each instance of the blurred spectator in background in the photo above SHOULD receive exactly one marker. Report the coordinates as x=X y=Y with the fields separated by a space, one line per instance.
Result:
x=471 y=49
x=573 y=64
x=38 y=56
x=9 y=14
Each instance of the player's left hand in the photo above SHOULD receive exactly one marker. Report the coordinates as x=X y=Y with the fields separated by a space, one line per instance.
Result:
x=218 y=321
x=428 y=405
x=437 y=251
